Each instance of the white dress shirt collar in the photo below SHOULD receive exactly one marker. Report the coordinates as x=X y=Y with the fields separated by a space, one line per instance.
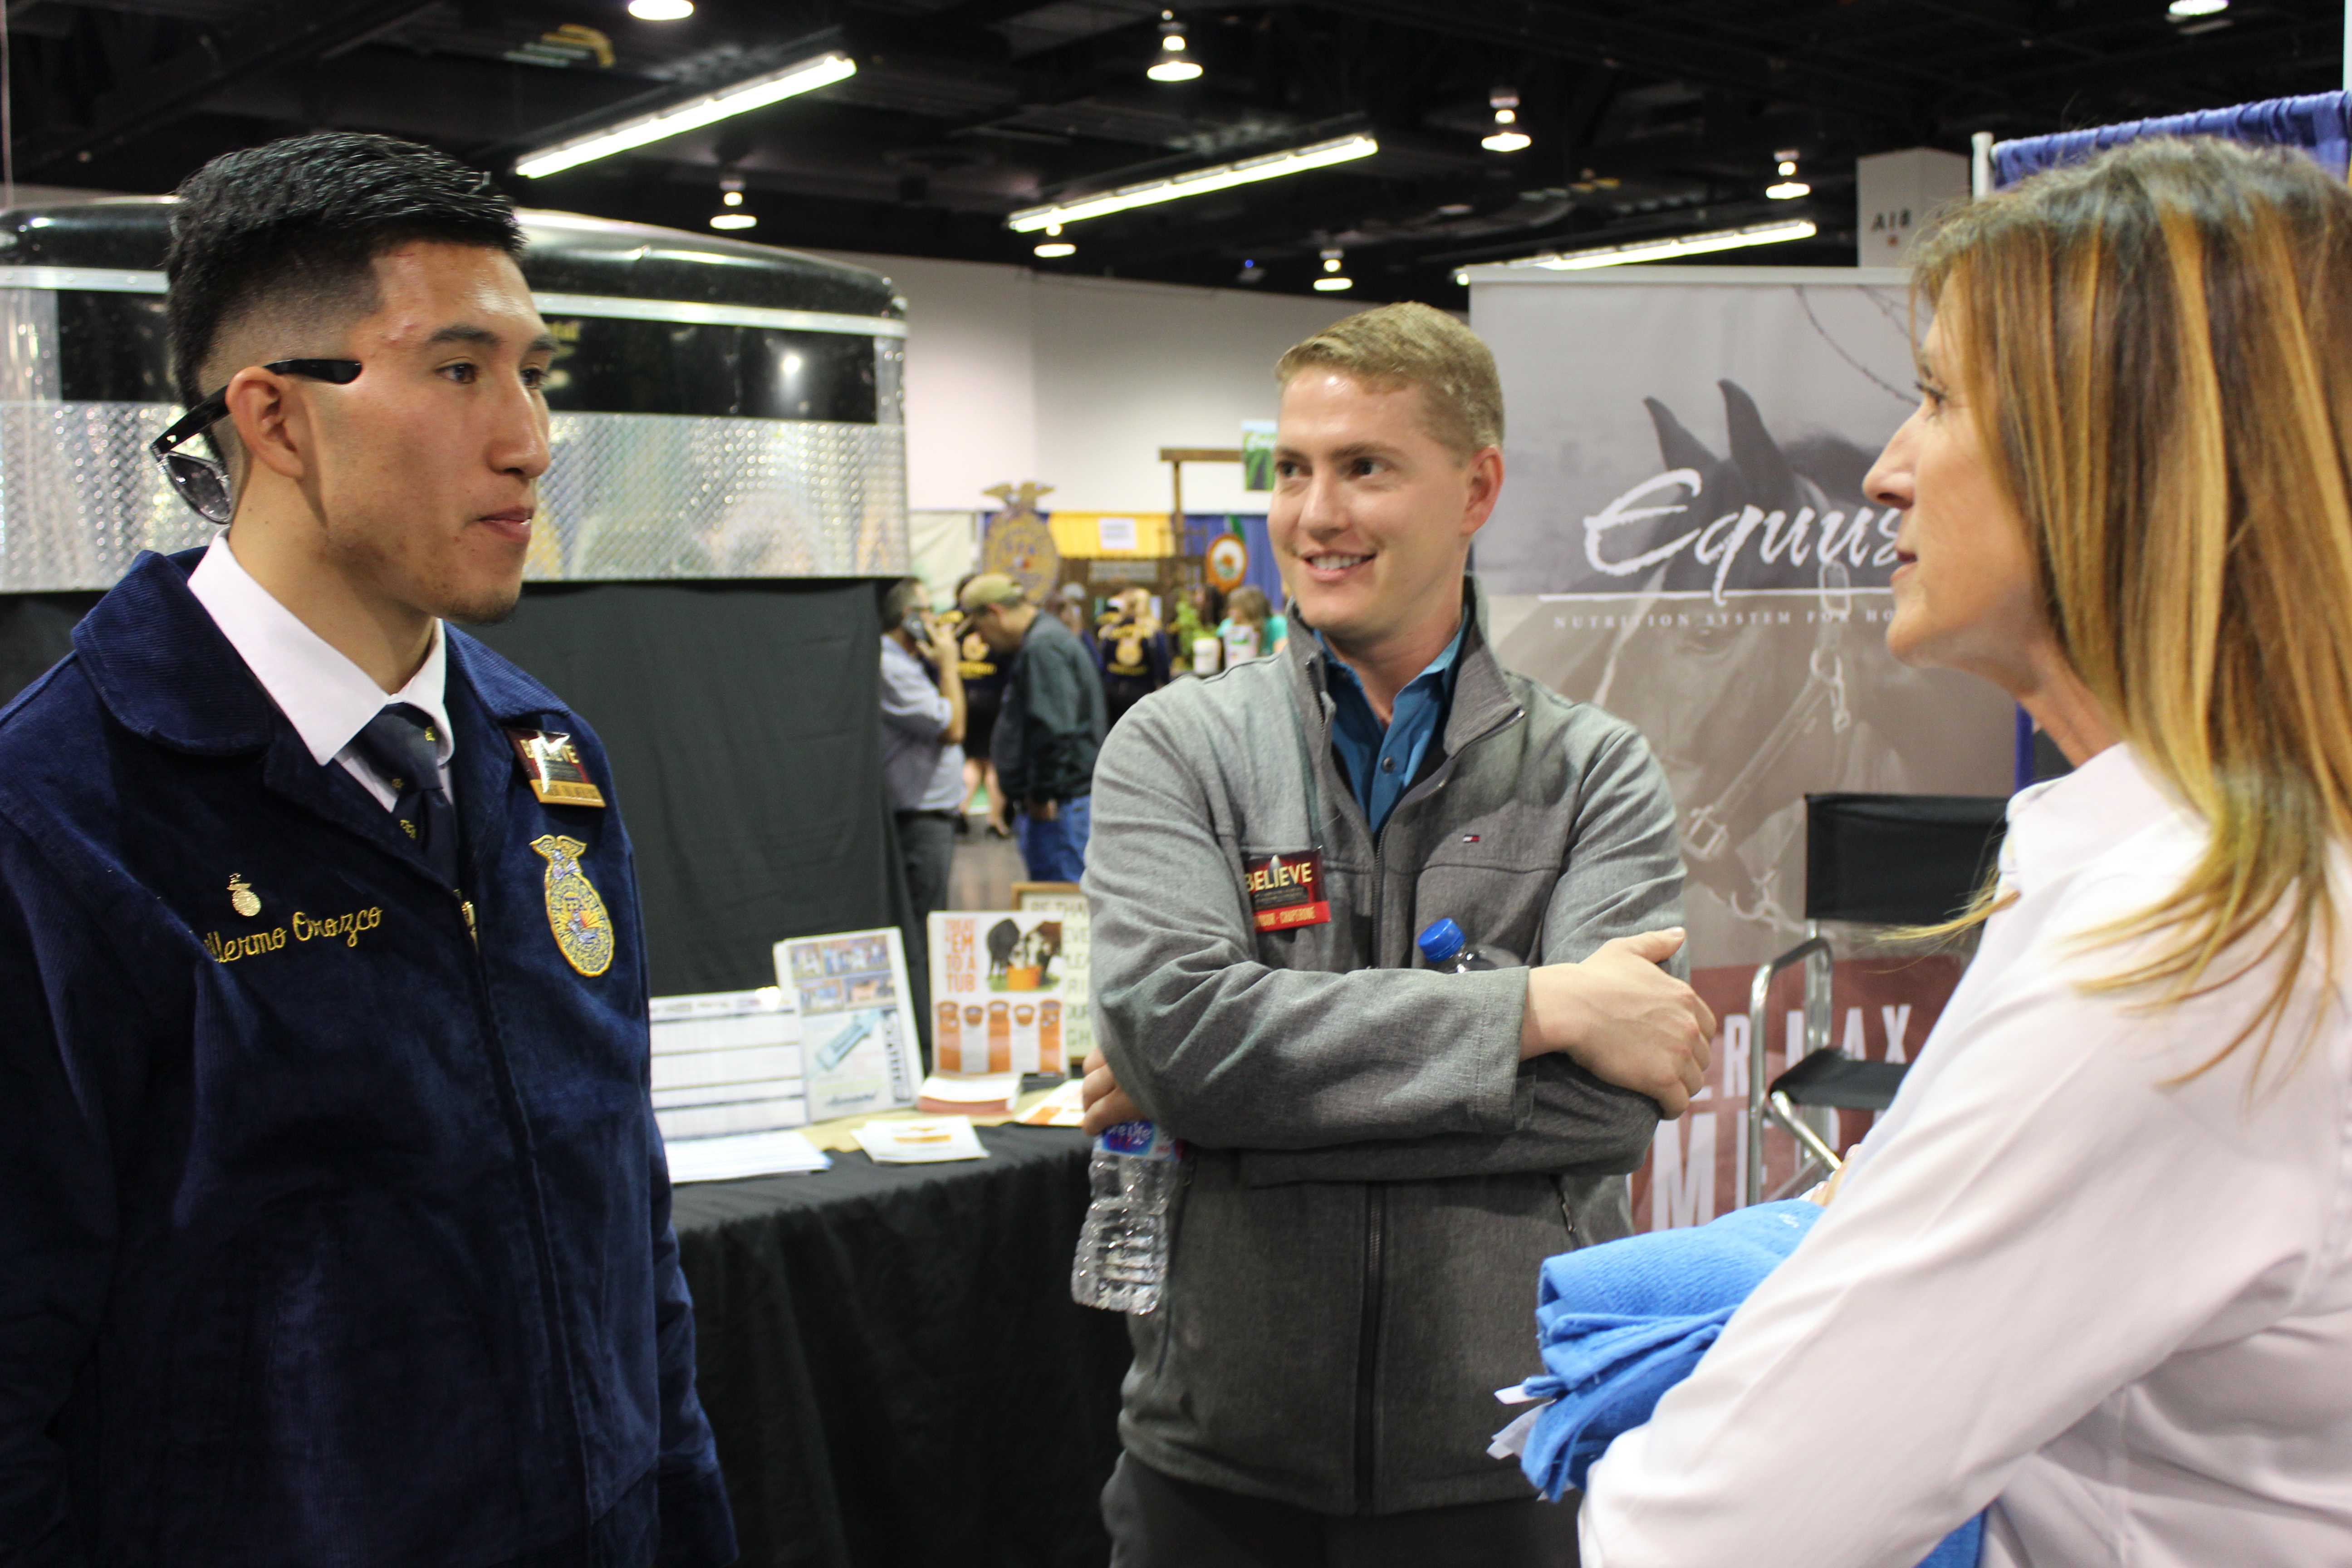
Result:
x=326 y=696
x=2065 y=823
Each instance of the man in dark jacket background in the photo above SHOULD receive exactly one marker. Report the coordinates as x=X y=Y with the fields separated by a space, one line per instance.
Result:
x=1050 y=727
x=334 y=1223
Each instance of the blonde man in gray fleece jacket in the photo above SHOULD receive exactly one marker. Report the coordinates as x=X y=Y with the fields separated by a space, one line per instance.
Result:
x=1383 y=1156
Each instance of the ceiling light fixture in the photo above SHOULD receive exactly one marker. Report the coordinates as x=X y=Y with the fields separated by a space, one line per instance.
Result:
x=1201 y=182
x=1172 y=65
x=1333 y=281
x=1507 y=136
x=2196 y=7
x=1679 y=245
x=758 y=93
x=731 y=200
x=1052 y=249
x=1789 y=190
x=1788 y=166
x=661 y=10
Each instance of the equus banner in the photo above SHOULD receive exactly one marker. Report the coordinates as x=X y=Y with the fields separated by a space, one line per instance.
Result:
x=1684 y=539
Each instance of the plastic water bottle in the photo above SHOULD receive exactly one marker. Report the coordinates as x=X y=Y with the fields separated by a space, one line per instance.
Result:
x=1123 y=1249
x=1449 y=952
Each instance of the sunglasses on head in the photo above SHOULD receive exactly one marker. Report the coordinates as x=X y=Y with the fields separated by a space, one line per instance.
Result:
x=204 y=483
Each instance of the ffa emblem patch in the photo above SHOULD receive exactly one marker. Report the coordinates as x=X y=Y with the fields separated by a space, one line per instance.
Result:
x=241 y=896
x=574 y=913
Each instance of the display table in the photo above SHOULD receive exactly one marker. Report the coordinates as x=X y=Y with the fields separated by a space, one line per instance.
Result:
x=893 y=1365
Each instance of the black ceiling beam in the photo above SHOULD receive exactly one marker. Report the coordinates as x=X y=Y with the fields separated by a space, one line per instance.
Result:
x=2244 y=44
x=287 y=34
x=1580 y=33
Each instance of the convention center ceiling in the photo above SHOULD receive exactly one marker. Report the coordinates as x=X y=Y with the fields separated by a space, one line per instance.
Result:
x=1638 y=119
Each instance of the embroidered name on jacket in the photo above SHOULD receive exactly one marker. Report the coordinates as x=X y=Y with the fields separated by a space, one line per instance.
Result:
x=345 y=928
x=1286 y=890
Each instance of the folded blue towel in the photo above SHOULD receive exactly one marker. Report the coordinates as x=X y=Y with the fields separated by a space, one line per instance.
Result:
x=1621 y=1323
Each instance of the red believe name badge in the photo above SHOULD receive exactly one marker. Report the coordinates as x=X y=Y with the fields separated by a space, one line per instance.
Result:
x=1286 y=890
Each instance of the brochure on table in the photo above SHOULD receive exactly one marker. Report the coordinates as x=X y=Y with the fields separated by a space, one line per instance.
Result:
x=1001 y=990
x=728 y=1085
x=1066 y=902
x=858 y=1026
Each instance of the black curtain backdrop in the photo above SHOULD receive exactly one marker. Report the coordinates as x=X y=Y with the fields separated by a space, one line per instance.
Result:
x=740 y=716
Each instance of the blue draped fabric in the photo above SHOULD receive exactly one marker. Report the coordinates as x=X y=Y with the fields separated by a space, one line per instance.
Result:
x=1620 y=1323
x=2321 y=124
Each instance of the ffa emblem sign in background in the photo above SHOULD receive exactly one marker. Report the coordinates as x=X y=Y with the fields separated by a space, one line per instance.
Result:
x=574 y=913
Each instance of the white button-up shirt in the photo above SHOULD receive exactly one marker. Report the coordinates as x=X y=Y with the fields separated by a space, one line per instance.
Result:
x=2115 y=1307
x=327 y=697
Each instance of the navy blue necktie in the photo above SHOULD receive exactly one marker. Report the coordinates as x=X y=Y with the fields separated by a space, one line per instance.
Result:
x=399 y=744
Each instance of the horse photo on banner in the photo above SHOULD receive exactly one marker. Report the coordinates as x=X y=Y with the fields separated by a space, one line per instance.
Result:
x=1684 y=541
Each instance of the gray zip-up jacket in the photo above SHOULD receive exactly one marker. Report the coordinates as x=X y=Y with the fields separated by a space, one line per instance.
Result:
x=1376 y=1177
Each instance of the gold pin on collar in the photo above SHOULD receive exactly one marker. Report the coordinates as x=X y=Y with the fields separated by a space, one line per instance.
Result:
x=242 y=898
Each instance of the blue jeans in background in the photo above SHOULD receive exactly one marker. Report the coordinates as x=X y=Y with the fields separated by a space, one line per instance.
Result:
x=1055 y=851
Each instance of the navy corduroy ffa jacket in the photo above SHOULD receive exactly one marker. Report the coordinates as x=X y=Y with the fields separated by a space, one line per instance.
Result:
x=334 y=1225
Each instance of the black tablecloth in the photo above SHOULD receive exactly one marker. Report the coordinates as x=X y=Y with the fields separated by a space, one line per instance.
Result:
x=894 y=1367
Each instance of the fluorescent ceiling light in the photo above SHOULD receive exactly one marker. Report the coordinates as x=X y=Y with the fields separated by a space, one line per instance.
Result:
x=1201 y=182
x=1173 y=67
x=2196 y=7
x=733 y=220
x=1679 y=245
x=1328 y=284
x=1056 y=247
x=661 y=10
x=1506 y=142
x=1789 y=190
x=743 y=97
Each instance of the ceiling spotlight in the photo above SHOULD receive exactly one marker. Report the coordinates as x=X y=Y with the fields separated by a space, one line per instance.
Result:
x=1789 y=190
x=1788 y=166
x=1053 y=249
x=730 y=195
x=1331 y=283
x=1508 y=137
x=2196 y=7
x=1171 y=65
x=661 y=10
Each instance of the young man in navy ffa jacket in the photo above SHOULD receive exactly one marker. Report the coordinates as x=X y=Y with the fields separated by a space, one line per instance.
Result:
x=334 y=1227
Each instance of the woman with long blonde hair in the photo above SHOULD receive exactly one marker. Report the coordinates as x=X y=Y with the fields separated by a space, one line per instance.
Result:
x=2093 y=1269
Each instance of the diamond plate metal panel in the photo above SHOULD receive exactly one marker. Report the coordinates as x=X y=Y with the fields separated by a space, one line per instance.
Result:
x=79 y=498
x=629 y=495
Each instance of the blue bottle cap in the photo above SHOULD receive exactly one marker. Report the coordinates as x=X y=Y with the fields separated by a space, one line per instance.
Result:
x=1441 y=940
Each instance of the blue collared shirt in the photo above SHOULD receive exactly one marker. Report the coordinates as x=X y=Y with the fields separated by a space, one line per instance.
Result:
x=1381 y=762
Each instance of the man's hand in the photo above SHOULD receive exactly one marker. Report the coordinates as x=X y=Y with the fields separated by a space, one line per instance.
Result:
x=1624 y=1019
x=947 y=648
x=1107 y=1103
x=1044 y=808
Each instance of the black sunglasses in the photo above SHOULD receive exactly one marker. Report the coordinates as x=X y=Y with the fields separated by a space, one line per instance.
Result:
x=204 y=483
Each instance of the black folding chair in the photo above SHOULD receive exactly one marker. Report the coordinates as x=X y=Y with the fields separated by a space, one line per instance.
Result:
x=1872 y=860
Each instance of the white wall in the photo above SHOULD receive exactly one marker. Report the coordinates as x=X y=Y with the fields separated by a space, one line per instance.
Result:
x=1078 y=382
